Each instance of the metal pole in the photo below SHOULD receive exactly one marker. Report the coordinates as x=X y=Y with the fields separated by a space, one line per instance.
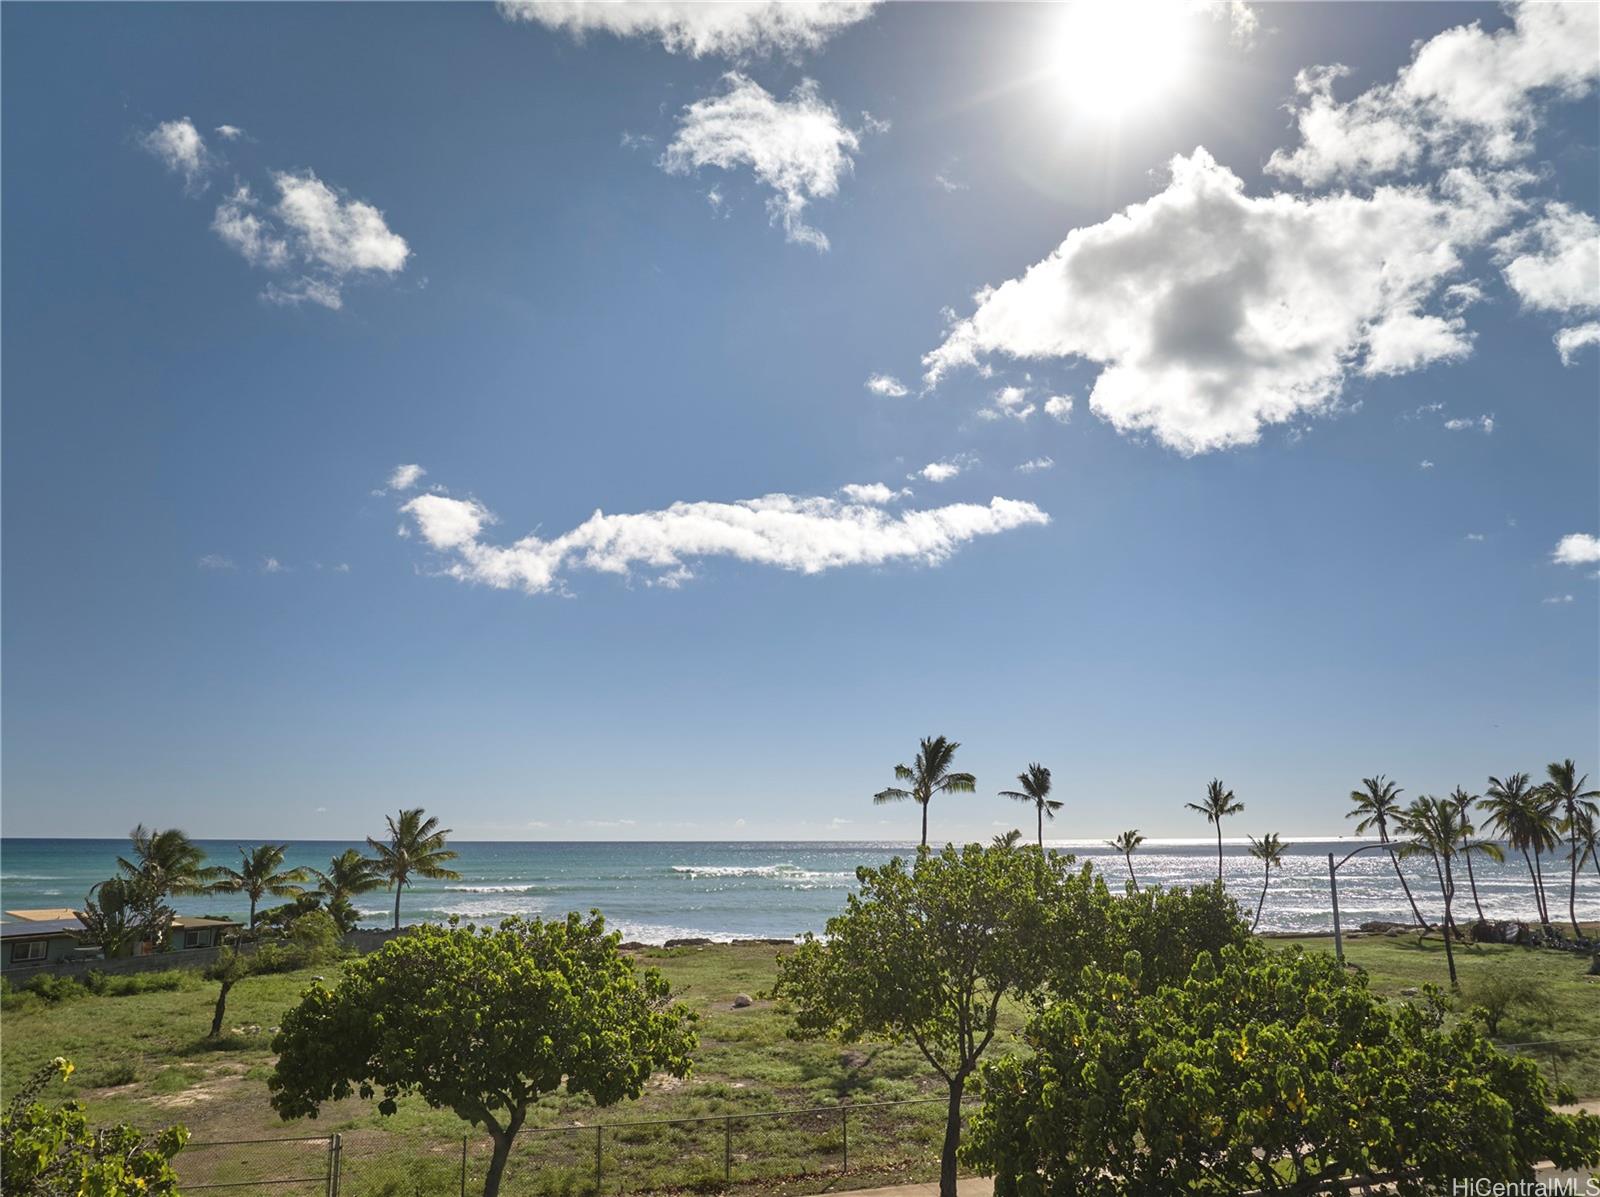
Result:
x=335 y=1156
x=844 y=1129
x=727 y=1150
x=463 y=1166
x=599 y=1133
x=1333 y=888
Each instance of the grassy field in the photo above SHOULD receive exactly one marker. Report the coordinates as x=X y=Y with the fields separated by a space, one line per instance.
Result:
x=144 y=1057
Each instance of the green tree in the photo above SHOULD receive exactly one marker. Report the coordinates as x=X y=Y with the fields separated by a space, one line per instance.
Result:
x=1465 y=804
x=1219 y=804
x=260 y=873
x=929 y=774
x=484 y=1022
x=227 y=970
x=349 y=875
x=1269 y=851
x=928 y=953
x=1377 y=804
x=415 y=846
x=1438 y=829
x=50 y=1151
x=1035 y=783
x=1521 y=815
x=1262 y=1071
x=121 y=913
x=1566 y=790
x=1007 y=839
x=1128 y=843
x=1589 y=838
x=169 y=860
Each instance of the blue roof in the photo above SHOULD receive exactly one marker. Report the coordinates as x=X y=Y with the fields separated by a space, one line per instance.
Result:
x=43 y=928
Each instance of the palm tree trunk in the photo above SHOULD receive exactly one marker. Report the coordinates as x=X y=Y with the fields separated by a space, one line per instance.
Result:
x=1538 y=881
x=398 y=886
x=1572 y=890
x=1448 y=881
x=1262 y=901
x=252 y=912
x=1219 y=853
x=1129 y=857
x=1041 y=842
x=1535 y=878
x=924 y=824
x=1473 y=881
x=1383 y=837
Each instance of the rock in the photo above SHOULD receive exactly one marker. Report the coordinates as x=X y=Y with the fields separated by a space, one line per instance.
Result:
x=1409 y=991
x=741 y=1000
x=1384 y=927
x=692 y=942
x=632 y=945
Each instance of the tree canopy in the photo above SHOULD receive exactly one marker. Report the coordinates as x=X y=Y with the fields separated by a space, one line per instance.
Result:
x=483 y=1021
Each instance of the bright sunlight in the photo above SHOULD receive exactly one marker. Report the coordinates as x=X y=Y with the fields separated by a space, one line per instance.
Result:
x=1115 y=59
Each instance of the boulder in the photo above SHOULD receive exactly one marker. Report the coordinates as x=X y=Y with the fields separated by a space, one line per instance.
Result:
x=741 y=1000
x=694 y=941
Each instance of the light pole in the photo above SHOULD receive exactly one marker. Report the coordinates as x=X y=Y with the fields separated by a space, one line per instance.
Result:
x=1333 y=887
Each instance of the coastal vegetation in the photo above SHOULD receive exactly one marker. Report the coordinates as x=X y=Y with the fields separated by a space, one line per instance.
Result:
x=1219 y=803
x=415 y=846
x=929 y=773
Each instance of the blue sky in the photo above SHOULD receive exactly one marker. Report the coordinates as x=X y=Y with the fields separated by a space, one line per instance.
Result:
x=1322 y=503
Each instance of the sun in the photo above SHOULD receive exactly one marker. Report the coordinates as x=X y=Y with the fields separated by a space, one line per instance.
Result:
x=1117 y=58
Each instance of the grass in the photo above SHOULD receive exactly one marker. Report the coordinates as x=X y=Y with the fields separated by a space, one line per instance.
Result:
x=143 y=1058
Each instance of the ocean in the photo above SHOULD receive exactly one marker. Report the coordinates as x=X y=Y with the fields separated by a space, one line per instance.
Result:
x=726 y=890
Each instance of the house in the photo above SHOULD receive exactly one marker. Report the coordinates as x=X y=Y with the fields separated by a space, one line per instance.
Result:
x=188 y=934
x=33 y=943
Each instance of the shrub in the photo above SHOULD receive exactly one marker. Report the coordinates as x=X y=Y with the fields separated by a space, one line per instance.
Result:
x=50 y=1150
x=1494 y=995
x=1264 y=1070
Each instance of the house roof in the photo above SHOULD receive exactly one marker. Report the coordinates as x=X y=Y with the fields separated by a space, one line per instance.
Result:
x=44 y=914
x=182 y=924
x=41 y=929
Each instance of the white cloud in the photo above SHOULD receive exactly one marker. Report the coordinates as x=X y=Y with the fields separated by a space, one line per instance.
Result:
x=798 y=147
x=229 y=132
x=314 y=230
x=405 y=476
x=1037 y=464
x=1466 y=96
x=1059 y=408
x=216 y=561
x=1553 y=263
x=1483 y=424
x=1569 y=341
x=1557 y=599
x=180 y=148
x=887 y=385
x=1214 y=313
x=808 y=535
x=1475 y=536
x=1577 y=548
x=729 y=30
x=872 y=492
x=271 y=565
x=1424 y=464
x=1009 y=402
x=941 y=471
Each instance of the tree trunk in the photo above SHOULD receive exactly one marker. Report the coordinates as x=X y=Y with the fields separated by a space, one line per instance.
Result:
x=398 y=886
x=1041 y=849
x=1544 y=897
x=924 y=834
x=221 y=1010
x=1473 y=881
x=1219 y=853
x=1537 y=909
x=1449 y=924
x=252 y=912
x=1262 y=901
x=1129 y=857
x=952 y=1137
x=1383 y=836
x=1572 y=891
x=503 y=1138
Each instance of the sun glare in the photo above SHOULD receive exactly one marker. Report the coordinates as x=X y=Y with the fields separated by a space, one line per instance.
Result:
x=1115 y=59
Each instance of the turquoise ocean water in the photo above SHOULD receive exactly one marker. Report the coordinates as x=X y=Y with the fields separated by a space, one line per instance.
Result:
x=657 y=891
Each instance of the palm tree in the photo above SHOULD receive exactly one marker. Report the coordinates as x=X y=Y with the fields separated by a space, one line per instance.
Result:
x=1128 y=843
x=1008 y=840
x=260 y=873
x=1377 y=804
x=1439 y=828
x=348 y=875
x=415 y=845
x=1464 y=804
x=930 y=775
x=1035 y=783
x=1589 y=838
x=169 y=860
x=1526 y=821
x=1565 y=790
x=1269 y=851
x=1218 y=805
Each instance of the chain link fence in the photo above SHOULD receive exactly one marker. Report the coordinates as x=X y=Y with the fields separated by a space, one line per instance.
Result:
x=799 y=1151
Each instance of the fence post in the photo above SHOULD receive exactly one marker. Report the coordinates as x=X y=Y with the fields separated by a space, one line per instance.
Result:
x=599 y=1132
x=727 y=1150
x=335 y=1155
x=844 y=1129
x=463 y=1166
